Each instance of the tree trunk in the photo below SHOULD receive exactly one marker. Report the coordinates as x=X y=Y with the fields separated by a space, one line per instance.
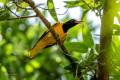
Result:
x=105 y=40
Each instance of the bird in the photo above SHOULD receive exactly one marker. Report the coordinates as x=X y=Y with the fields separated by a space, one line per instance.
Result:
x=47 y=39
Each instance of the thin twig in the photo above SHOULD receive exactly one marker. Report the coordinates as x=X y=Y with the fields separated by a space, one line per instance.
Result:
x=11 y=11
x=23 y=17
x=63 y=13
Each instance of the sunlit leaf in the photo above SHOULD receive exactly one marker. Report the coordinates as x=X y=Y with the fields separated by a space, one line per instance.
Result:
x=35 y=64
x=78 y=3
x=3 y=72
x=3 y=69
x=8 y=49
x=52 y=10
x=23 y=4
x=114 y=57
x=76 y=46
x=87 y=36
x=28 y=68
x=70 y=4
x=30 y=33
x=73 y=32
x=4 y=1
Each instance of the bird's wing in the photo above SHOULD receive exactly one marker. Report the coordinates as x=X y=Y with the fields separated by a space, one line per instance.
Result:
x=45 y=41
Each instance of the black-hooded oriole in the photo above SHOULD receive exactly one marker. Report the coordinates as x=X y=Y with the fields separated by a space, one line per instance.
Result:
x=47 y=39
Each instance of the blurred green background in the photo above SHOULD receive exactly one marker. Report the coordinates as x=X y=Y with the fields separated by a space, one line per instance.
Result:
x=82 y=42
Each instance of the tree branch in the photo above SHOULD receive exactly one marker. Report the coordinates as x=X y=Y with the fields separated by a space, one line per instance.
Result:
x=106 y=40
x=23 y=17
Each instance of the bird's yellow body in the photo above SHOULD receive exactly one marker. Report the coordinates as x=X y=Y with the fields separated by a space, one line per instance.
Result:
x=47 y=39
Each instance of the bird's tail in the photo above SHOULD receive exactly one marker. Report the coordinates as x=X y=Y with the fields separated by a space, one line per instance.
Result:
x=37 y=48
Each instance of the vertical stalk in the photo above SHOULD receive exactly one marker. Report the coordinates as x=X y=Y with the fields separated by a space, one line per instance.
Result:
x=105 y=40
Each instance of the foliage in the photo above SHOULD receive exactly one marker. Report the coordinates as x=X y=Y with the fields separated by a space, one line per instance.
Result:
x=18 y=36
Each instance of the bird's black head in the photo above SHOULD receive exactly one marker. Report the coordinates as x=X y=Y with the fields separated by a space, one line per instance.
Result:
x=69 y=24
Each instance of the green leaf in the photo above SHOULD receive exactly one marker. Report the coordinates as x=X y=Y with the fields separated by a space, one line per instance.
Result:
x=116 y=32
x=114 y=57
x=69 y=67
x=87 y=36
x=78 y=3
x=4 y=14
x=4 y=1
x=69 y=76
x=3 y=73
x=70 y=4
x=73 y=32
x=91 y=56
x=24 y=5
x=76 y=46
x=52 y=10
x=85 y=11
x=116 y=29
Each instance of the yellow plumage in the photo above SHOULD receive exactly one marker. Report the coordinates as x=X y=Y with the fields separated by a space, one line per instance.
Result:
x=47 y=39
